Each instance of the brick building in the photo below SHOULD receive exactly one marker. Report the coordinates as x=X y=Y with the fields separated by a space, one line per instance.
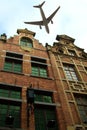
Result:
x=42 y=88
x=28 y=98
x=69 y=64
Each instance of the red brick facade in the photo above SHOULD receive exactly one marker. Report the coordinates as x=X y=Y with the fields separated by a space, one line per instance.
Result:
x=25 y=78
x=63 y=90
x=64 y=52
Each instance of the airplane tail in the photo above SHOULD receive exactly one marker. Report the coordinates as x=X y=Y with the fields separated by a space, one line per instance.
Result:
x=39 y=6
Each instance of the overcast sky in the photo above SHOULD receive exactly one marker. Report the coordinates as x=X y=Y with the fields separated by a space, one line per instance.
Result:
x=71 y=19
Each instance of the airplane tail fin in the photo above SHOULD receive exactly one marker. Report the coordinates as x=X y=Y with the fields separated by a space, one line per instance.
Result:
x=39 y=6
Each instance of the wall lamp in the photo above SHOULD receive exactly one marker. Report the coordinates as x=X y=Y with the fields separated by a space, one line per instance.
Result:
x=51 y=123
x=9 y=120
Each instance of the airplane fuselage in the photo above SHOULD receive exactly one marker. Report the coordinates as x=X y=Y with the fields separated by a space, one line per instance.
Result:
x=45 y=22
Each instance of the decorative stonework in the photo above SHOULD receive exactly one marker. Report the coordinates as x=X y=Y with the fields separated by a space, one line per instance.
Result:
x=64 y=37
x=26 y=48
x=26 y=31
x=78 y=87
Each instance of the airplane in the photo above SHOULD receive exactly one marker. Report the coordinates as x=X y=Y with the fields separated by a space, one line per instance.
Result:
x=45 y=20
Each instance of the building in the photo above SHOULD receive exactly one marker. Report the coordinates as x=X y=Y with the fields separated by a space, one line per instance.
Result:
x=42 y=88
x=69 y=64
x=28 y=94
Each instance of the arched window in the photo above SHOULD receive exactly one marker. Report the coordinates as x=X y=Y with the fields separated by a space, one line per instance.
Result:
x=26 y=42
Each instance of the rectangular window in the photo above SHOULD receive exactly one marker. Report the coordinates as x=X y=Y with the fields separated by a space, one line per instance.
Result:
x=13 y=62
x=14 y=111
x=82 y=106
x=39 y=67
x=41 y=96
x=26 y=42
x=10 y=91
x=70 y=72
x=43 y=118
x=72 y=52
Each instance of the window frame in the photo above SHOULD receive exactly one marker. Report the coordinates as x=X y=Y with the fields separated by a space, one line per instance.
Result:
x=13 y=102
x=40 y=65
x=27 y=42
x=72 y=52
x=15 y=61
x=43 y=96
x=81 y=101
x=6 y=109
x=11 y=89
x=70 y=72
x=44 y=114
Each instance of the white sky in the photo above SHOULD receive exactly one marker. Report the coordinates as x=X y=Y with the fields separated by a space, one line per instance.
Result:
x=71 y=19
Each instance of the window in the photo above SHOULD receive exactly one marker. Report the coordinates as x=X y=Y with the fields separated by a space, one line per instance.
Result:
x=42 y=116
x=9 y=104
x=13 y=62
x=5 y=110
x=82 y=107
x=39 y=67
x=70 y=72
x=10 y=93
x=72 y=52
x=26 y=42
x=43 y=96
x=44 y=110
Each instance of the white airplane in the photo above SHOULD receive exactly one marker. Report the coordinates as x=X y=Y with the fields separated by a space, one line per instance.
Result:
x=45 y=20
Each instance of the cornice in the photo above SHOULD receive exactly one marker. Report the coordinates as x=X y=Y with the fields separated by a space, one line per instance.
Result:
x=26 y=31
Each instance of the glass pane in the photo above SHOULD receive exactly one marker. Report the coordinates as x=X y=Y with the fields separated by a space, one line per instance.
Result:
x=70 y=73
x=17 y=67
x=4 y=106
x=10 y=93
x=2 y=119
x=43 y=98
x=15 y=94
x=50 y=114
x=47 y=99
x=66 y=68
x=15 y=112
x=78 y=100
x=5 y=93
x=10 y=109
x=22 y=43
x=84 y=100
x=43 y=72
x=8 y=66
x=42 y=116
x=1 y=92
x=26 y=42
x=82 y=107
x=35 y=71
x=38 y=97
x=29 y=45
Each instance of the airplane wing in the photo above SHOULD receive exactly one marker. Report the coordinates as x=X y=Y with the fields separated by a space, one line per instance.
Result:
x=35 y=23
x=52 y=15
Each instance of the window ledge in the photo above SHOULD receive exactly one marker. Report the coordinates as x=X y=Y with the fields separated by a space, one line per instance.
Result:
x=8 y=128
x=10 y=85
x=11 y=99
x=46 y=104
x=42 y=77
x=12 y=72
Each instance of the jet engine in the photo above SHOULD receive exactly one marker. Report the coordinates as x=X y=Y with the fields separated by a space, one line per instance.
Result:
x=51 y=22
x=40 y=27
